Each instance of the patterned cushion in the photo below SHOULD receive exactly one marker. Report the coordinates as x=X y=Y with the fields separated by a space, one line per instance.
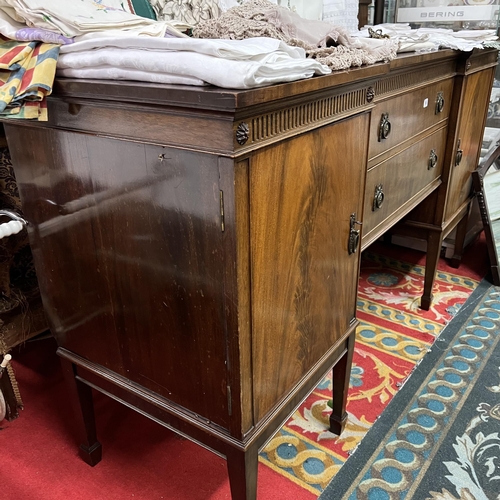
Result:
x=188 y=11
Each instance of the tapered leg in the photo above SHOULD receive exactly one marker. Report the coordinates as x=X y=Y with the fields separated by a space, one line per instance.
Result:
x=461 y=232
x=341 y=378
x=242 y=469
x=434 y=243
x=81 y=398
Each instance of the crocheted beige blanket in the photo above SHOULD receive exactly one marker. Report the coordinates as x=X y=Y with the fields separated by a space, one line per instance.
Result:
x=322 y=41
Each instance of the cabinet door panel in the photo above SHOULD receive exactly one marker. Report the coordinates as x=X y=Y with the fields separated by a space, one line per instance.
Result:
x=470 y=134
x=304 y=282
x=127 y=244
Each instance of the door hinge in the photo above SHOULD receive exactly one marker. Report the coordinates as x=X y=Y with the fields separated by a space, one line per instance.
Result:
x=222 y=224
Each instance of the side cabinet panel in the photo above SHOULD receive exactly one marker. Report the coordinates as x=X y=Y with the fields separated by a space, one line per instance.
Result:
x=127 y=244
x=304 y=281
x=468 y=138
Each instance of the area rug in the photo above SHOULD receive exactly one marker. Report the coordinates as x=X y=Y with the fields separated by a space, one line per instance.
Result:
x=393 y=337
x=439 y=439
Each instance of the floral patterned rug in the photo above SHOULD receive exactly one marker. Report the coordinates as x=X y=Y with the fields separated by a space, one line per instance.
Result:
x=393 y=337
x=439 y=439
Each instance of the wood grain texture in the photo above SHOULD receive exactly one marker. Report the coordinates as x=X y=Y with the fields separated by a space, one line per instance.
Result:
x=470 y=133
x=401 y=178
x=303 y=292
x=191 y=128
x=432 y=212
x=409 y=114
x=411 y=78
x=132 y=280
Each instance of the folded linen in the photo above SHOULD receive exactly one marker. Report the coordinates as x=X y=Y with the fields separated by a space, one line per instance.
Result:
x=432 y=38
x=259 y=70
x=228 y=49
x=14 y=30
x=26 y=78
x=76 y=17
x=113 y=73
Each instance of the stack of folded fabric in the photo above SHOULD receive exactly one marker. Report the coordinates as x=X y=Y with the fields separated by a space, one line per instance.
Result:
x=428 y=39
x=26 y=76
x=238 y=64
x=73 y=18
x=251 y=45
x=32 y=31
x=263 y=44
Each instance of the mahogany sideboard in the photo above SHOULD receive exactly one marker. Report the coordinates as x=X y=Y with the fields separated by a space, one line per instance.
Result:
x=197 y=248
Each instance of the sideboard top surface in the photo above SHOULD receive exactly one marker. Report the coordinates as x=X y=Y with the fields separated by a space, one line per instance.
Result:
x=211 y=97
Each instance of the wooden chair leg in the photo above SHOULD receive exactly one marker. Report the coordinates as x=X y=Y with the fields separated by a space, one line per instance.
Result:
x=242 y=470
x=341 y=378
x=434 y=243
x=81 y=399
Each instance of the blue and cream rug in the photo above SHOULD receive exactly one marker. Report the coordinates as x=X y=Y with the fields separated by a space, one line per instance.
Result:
x=394 y=335
x=439 y=438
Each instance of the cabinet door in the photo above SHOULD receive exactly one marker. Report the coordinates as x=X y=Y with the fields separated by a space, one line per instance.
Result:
x=304 y=281
x=468 y=139
x=127 y=245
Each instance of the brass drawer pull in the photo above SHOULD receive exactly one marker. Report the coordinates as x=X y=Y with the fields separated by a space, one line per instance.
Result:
x=378 y=199
x=439 y=103
x=433 y=159
x=385 y=127
x=459 y=155
x=353 y=235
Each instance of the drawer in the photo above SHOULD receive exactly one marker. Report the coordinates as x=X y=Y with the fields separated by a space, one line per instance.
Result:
x=399 y=119
x=398 y=184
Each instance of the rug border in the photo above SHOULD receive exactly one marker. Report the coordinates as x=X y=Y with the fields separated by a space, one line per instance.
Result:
x=344 y=479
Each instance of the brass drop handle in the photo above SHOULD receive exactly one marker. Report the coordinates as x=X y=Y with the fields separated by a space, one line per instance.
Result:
x=353 y=235
x=439 y=102
x=378 y=199
x=385 y=127
x=433 y=159
x=459 y=155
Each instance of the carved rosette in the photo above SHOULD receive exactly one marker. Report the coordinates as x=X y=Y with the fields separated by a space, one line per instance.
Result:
x=242 y=132
x=370 y=94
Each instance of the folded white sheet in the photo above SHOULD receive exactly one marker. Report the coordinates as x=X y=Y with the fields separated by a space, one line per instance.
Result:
x=112 y=73
x=255 y=71
x=228 y=49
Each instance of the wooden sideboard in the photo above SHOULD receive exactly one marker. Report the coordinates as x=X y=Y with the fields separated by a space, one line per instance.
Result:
x=198 y=249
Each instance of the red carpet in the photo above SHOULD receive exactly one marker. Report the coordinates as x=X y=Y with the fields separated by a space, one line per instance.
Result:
x=143 y=461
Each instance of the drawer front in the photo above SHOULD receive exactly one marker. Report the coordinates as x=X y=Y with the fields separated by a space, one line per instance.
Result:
x=399 y=119
x=392 y=184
